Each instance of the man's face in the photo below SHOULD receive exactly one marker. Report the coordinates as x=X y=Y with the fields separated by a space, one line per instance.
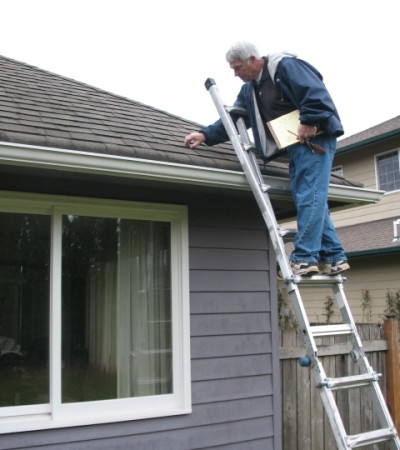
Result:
x=245 y=70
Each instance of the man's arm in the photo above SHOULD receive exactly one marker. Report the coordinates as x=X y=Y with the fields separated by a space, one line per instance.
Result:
x=303 y=86
x=214 y=134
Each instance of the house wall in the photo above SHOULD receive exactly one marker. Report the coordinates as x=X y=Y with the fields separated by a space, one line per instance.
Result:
x=360 y=165
x=234 y=336
x=377 y=274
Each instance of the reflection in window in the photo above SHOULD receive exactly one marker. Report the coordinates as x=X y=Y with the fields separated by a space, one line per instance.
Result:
x=388 y=167
x=116 y=308
x=24 y=309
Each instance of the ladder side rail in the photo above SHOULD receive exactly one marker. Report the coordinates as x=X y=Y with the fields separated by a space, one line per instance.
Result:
x=382 y=412
x=261 y=197
x=334 y=417
x=356 y=343
x=305 y=329
x=244 y=136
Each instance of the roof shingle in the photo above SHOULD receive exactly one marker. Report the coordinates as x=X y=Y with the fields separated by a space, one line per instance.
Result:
x=44 y=109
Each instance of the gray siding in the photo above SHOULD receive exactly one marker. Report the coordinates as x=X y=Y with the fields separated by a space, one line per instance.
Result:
x=235 y=365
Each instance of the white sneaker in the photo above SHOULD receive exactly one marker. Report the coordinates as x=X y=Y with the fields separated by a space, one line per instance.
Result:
x=334 y=268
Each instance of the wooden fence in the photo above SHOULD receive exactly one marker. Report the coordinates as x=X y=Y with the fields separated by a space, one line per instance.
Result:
x=304 y=422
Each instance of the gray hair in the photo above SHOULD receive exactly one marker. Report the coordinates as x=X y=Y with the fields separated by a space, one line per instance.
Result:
x=242 y=51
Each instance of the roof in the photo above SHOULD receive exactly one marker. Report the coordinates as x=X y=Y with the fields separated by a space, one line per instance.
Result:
x=370 y=237
x=44 y=109
x=385 y=130
x=365 y=238
x=40 y=110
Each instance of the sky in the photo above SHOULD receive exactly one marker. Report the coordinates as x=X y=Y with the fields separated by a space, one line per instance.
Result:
x=160 y=52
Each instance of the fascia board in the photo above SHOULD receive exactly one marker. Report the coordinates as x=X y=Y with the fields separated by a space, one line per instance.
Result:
x=111 y=165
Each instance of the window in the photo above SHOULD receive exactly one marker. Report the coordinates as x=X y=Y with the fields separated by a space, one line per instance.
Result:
x=388 y=171
x=93 y=312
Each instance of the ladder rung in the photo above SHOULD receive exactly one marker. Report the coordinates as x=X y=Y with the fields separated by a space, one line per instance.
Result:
x=331 y=330
x=317 y=280
x=371 y=437
x=351 y=381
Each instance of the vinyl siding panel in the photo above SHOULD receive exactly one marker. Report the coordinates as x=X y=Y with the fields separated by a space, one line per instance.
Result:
x=234 y=342
x=360 y=165
x=388 y=207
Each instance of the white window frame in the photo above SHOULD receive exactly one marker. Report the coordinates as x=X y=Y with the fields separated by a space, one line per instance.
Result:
x=56 y=414
x=376 y=168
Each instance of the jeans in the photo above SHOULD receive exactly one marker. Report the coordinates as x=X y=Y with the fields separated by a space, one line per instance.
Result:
x=316 y=240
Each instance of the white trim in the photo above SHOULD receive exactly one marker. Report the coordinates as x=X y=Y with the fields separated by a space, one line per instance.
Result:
x=96 y=163
x=110 y=165
x=57 y=414
x=55 y=315
x=376 y=156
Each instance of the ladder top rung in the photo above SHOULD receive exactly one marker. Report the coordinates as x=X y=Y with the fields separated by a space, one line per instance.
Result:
x=350 y=381
x=331 y=330
x=371 y=437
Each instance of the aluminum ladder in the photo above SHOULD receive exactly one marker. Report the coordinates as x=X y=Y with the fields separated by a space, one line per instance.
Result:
x=234 y=124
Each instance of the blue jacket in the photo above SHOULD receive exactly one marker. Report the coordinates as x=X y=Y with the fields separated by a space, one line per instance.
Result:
x=299 y=83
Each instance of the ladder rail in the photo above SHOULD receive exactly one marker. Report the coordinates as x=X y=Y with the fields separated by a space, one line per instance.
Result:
x=262 y=200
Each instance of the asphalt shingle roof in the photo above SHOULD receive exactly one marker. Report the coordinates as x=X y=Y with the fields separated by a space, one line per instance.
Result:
x=376 y=235
x=381 y=129
x=44 y=109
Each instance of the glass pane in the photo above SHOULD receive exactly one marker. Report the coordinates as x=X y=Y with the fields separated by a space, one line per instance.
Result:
x=116 y=298
x=389 y=171
x=24 y=309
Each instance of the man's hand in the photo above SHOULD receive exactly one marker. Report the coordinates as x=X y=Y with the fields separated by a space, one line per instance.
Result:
x=194 y=139
x=306 y=132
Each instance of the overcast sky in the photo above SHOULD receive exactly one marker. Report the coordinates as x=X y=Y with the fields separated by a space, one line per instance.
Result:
x=160 y=52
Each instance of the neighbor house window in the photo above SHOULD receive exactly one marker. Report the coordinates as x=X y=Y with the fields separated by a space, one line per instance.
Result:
x=388 y=171
x=93 y=312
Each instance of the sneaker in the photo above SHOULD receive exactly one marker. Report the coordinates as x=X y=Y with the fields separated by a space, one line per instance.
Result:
x=304 y=268
x=334 y=268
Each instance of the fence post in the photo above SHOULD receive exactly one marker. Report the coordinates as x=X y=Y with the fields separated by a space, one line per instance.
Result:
x=393 y=370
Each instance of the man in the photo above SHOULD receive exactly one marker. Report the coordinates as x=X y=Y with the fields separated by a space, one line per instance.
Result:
x=273 y=86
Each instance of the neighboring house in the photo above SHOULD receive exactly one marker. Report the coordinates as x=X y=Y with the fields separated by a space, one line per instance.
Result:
x=138 y=291
x=371 y=157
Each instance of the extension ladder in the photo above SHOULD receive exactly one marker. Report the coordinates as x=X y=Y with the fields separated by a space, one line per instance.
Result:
x=367 y=378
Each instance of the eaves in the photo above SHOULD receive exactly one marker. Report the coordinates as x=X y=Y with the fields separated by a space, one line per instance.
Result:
x=368 y=141
x=135 y=168
x=373 y=252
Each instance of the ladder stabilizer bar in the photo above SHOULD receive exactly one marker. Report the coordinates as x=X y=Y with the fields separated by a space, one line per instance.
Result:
x=350 y=381
x=371 y=437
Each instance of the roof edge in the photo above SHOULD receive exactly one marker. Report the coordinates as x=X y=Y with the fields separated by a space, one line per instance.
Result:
x=112 y=165
x=368 y=141
x=373 y=251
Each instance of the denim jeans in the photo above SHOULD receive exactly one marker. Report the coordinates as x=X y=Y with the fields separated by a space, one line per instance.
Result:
x=316 y=240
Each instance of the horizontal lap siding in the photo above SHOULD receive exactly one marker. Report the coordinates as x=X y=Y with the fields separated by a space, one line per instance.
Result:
x=231 y=322
x=234 y=348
